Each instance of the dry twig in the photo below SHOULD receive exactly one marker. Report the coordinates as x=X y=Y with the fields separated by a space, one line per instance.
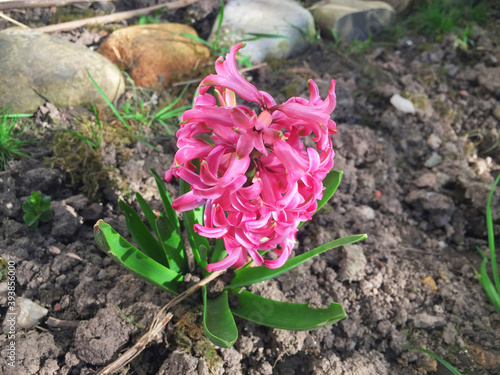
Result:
x=7 y=18
x=23 y=4
x=116 y=17
x=159 y=323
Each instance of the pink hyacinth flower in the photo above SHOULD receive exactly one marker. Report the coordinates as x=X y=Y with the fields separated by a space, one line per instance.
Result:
x=254 y=174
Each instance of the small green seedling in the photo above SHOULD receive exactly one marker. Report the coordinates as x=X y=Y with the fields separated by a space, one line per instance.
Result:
x=491 y=288
x=445 y=363
x=10 y=142
x=37 y=209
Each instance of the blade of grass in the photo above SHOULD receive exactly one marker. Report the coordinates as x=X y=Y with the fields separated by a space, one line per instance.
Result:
x=491 y=236
x=436 y=357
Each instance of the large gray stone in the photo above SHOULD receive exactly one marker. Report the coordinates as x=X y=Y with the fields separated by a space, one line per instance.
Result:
x=282 y=17
x=352 y=19
x=36 y=68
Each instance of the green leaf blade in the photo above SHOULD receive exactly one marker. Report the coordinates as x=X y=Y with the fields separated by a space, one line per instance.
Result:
x=136 y=261
x=218 y=320
x=172 y=244
x=437 y=358
x=285 y=315
x=141 y=235
x=252 y=275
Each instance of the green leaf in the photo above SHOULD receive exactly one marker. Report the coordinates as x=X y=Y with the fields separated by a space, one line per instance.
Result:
x=46 y=216
x=136 y=261
x=167 y=202
x=218 y=320
x=148 y=212
x=285 y=315
x=141 y=234
x=191 y=218
x=487 y=284
x=44 y=202
x=252 y=275
x=31 y=219
x=172 y=244
x=437 y=358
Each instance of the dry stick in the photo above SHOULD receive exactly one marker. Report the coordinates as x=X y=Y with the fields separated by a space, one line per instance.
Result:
x=65 y=26
x=23 y=4
x=156 y=327
x=7 y=18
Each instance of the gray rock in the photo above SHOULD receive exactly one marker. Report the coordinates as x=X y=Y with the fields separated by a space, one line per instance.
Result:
x=65 y=221
x=179 y=363
x=352 y=19
x=496 y=112
x=99 y=339
x=282 y=17
x=439 y=206
x=433 y=160
x=489 y=78
x=38 y=68
x=426 y=321
x=352 y=266
x=44 y=180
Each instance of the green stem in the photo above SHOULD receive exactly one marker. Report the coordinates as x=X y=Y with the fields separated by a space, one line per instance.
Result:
x=491 y=237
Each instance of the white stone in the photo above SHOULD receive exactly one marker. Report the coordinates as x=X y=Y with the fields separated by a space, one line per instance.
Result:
x=28 y=312
x=402 y=104
x=280 y=17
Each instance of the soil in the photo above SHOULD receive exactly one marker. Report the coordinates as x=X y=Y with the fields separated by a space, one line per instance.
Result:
x=417 y=184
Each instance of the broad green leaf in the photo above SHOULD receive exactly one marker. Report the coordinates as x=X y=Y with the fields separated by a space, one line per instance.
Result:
x=218 y=320
x=285 y=315
x=437 y=358
x=252 y=275
x=172 y=244
x=136 y=261
x=141 y=234
x=167 y=202
x=191 y=218
x=148 y=212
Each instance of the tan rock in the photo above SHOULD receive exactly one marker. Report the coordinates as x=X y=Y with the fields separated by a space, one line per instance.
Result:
x=155 y=54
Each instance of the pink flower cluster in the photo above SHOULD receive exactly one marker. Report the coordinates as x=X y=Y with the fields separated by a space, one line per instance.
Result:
x=253 y=172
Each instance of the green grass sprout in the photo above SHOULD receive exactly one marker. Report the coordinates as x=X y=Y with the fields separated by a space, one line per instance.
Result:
x=453 y=370
x=491 y=289
x=120 y=117
x=10 y=142
x=95 y=130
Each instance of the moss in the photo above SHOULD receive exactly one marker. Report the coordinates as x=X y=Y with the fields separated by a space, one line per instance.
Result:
x=206 y=349
x=82 y=162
